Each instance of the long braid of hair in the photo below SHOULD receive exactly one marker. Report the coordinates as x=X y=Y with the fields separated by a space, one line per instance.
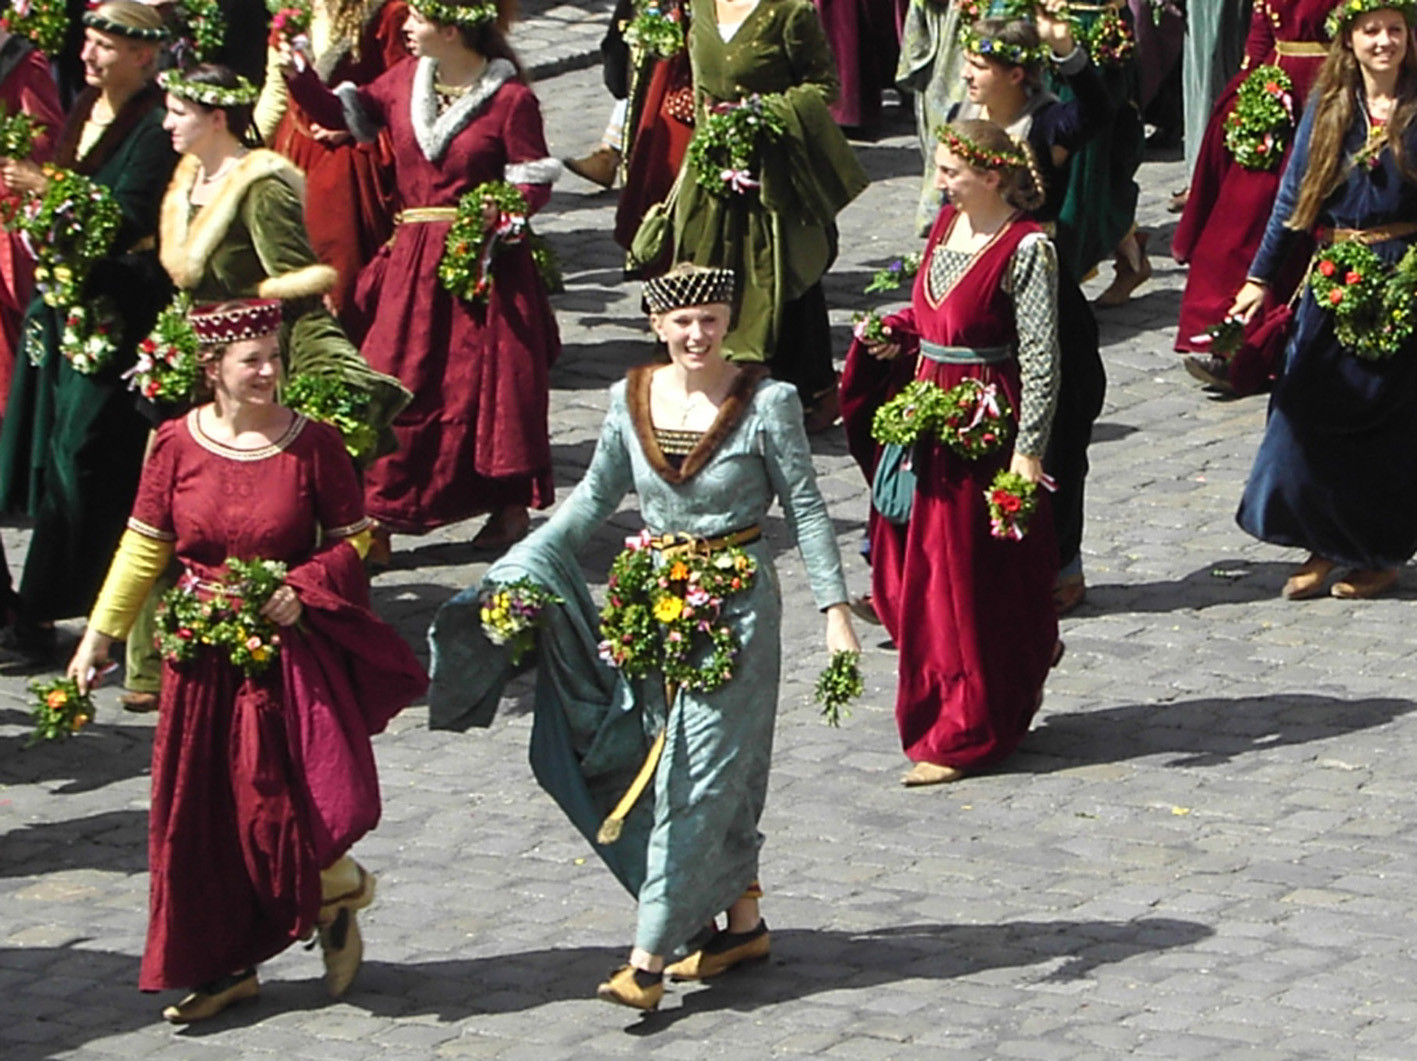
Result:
x=1030 y=191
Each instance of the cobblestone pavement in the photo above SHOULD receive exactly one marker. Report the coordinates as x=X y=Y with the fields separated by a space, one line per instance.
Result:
x=1203 y=850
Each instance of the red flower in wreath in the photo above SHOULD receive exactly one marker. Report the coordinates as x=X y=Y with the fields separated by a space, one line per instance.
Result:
x=1327 y=267
x=1353 y=276
x=1335 y=296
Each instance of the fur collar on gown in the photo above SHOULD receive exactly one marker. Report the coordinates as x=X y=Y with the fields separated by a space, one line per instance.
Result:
x=436 y=131
x=730 y=415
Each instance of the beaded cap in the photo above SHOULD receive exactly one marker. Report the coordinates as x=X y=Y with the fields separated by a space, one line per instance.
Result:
x=689 y=285
x=218 y=323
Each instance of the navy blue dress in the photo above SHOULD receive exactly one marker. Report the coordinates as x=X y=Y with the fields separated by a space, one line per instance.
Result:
x=1337 y=468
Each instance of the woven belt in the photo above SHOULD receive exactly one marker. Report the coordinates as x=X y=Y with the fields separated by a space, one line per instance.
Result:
x=1293 y=48
x=423 y=214
x=1093 y=9
x=964 y=355
x=678 y=544
x=1368 y=236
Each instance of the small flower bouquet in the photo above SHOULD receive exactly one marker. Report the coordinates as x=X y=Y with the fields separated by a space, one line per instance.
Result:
x=91 y=335
x=667 y=615
x=333 y=401
x=226 y=616
x=1258 y=127
x=896 y=274
x=1372 y=306
x=466 y=265
x=973 y=418
x=44 y=22
x=18 y=132
x=655 y=30
x=167 y=369
x=868 y=327
x=66 y=229
x=726 y=144
x=59 y=710
x=512 y=613
x=838 y=685
x=290 y=24
x=1012 y=501
x=1223 y=339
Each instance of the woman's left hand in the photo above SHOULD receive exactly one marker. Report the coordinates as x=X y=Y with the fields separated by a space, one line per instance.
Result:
x=840 y=635
x=283 y=608
x=1031 y=468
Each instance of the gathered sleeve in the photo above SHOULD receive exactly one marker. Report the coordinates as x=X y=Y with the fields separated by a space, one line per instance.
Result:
x=789 y=466
x=1033 y=284
x=1279 y=239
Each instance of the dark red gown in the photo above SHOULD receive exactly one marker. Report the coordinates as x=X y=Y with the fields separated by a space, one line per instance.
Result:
x=259 y=783
x=661 y=137
x=971 y=615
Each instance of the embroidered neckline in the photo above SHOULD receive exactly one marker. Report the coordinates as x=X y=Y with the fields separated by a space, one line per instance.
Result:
x=435 y=131
x=221 y=449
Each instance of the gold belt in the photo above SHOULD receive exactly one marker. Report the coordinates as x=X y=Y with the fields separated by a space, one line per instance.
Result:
x=1300 y=48
x=417 y=214
x=1093 y=9
x=678 y=544
x=1366 y=236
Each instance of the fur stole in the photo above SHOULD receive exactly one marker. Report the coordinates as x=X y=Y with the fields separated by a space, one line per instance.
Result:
x=730 y=415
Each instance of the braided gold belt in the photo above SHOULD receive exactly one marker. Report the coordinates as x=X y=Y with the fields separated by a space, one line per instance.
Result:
x=423 y=214
x=1293 y=48
x=679 y=544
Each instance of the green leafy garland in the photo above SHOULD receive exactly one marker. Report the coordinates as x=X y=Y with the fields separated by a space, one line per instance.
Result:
x=1374 y=308
x=91 y=335
x=668 y=616
x=512 y=613
x=228 y=619
x=896 y=273
x=727 y=142
x=44 y=22
x=59 y=710
x=18 y=133
x=332 y=400
x=67 y=228
x=970 y=418
x=1012 y=501
x=1258 y=128
x=204 y=25
x=168 y=368
x=1108 y=38
x=838 y=685
x=466 y=265
x=655 y=31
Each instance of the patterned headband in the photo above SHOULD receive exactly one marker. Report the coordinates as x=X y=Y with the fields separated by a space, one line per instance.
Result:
x=455 y=14
x=106 y=24
x=1000 y=51
x=243 y=94
x=1342 y=16
x=219 y=323
x=979 y=157
x=689 y=286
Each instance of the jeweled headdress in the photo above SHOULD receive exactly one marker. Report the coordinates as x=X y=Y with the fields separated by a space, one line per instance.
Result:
x=219 y=323
x=1342 y=16
x=455 y=14
x=689 y=285
x=976 y=155
x=242 y=94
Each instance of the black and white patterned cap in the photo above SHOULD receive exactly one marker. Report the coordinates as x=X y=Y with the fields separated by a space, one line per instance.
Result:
x=689 y=285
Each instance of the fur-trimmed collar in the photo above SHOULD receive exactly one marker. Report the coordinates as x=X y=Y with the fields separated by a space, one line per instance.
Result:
x=436 y=131
x=186 y=241
x=134 y=111
x=328 y=59
x=730 y=415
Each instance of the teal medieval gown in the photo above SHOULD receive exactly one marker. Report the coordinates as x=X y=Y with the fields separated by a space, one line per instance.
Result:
x=690 y=846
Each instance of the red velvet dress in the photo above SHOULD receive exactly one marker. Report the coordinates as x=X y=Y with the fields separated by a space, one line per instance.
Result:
x=971 y=615
x=1228 y=205
x=349 y=186
x=28 y=87
x=258 y=783
x=657 y=146
x=865 y=39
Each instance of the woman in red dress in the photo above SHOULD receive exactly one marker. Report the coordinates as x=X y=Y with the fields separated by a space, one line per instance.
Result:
x=1219 y=243
x=260 y=783
x=474 y=439
x=971 y=614
x=349 y=200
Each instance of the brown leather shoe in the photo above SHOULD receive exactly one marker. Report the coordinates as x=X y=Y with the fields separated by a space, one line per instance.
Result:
x=598 y=167
x=342 y=947
x=1365 y=583
x=210 y=999
x=137 y=702
x=625 y=990
x=1307 y=580
x=923 y=773
x=1213 y=371
x=724 y=951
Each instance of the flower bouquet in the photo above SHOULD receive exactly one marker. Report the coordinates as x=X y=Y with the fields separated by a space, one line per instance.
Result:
x=727 y=142
x=1372 y=306
x=466 y=266
x=1108 y=38
x=1012 y=501
x=1258 y=127
x=167 y=369
x=913 y=412
x=655 y=31
x=290 y=24
x=975 y=421
x=512 y=613
x=838 y=685
x=66 y=229
x=201 y=30
x=91 y=335
x=225 y=616
x=59 y=710
x=44 y=22
x=896 y=273
x=333 y=401
x=1223 y=339
x=668 y=616
x=868 y=327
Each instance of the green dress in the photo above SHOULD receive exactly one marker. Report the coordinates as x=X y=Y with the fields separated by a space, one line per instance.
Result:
x=72 y=444
x=780 y=239
x=931 y=67
x=690 y=848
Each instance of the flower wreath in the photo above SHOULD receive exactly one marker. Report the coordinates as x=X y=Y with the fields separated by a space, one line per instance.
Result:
x=1374 y=308
x=667 y=616
x=204 y=25
x=1343 y=15
x=1108 y=38
x=455 y=14
x=91 y=335
x=225 y=616
x=168 y=368
x=727 y=141
x=972 y=418
x=999 y=51
x=466 y=266
x=655 y=30
x=978 y=157
x=1257 y=129
x=66 y=228
x=44 y=22
x=242 y=95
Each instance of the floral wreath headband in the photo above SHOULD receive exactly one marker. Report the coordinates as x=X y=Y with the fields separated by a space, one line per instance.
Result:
x=977 y=156
x=455 y=14
x=1012 y=54
x=242 y=95
x=1342 y=16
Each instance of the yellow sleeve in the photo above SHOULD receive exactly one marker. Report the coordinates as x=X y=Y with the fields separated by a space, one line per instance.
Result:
x=136 y=566
x=271 y=105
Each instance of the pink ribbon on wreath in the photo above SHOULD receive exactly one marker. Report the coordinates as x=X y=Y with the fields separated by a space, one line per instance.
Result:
x=988 y=403
x=740 y=180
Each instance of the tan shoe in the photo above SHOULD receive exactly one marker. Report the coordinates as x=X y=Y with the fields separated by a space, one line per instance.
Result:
x=346 y=885
x=923 y=773
x=723 y=952
x=209 y=1000
x=599 y=167
x=1307 y=580
x=624 y=990
x=1365 y=583
x=342 y=947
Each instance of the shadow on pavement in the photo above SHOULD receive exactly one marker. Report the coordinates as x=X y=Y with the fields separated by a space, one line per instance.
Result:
x=102 y=754
x=1223 y=581
x=114 y=841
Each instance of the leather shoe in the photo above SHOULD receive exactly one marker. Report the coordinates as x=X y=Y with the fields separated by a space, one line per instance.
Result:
x=598 y=167
x=139 y=703
x=923 y=773
x=210 y=999
x=624 y=989
x=342 y=947
x=1213 y=371
x=1365 y=583
x=722 y=953
x=1068 y=593
x=1307 y=580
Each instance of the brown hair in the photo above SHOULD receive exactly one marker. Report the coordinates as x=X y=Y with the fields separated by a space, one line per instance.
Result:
x=1336 y=90
x=240 y=118
x=1020 y=33
x=1020 y=186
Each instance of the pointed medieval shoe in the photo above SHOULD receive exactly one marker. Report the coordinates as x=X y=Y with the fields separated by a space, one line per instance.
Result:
x=346 y=885
x=633 y=987
x=1365 y=583
x=342 y=947
x=923 y=773
x=723 y=952
x=210 y=999
x=598 y=167
x=1307 y=580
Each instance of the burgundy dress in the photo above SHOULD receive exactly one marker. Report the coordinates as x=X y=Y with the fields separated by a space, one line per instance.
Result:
x=349 y=186
x=865 y=38
x=258 y=783
x=971 y=615
x=661 y=137
x=1219 y=242
x=474 y=438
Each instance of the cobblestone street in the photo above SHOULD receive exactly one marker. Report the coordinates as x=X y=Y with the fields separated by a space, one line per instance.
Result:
x=1205 y=849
